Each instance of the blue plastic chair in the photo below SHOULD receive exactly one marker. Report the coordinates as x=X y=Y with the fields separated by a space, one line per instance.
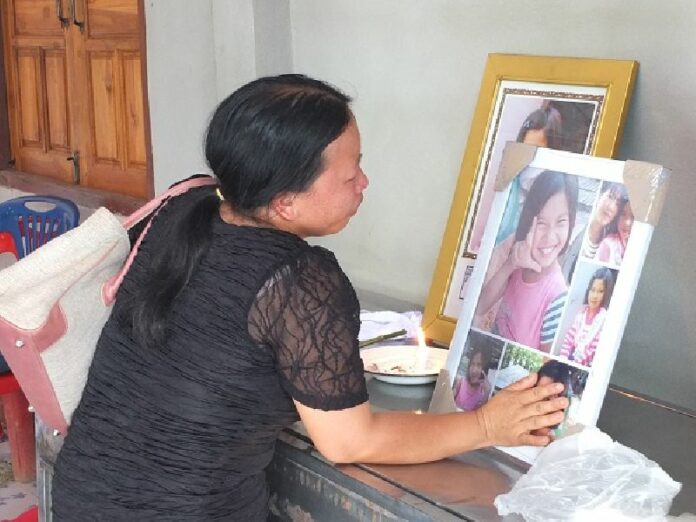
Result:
x=30 y=228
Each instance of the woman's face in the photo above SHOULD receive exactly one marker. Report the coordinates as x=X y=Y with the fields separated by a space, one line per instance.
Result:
x=551 y=231
x=595 y=297
x=334 y=197
x=625 y=222
x=476 y=369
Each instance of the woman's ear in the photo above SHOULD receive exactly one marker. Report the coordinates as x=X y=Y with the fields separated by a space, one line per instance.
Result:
x=283 y=205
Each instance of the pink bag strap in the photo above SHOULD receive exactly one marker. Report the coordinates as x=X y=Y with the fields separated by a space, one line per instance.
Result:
x=151 y=207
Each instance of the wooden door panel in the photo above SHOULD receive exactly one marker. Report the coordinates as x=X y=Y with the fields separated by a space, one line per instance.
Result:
x=42 y=132
x=133 y=111
x=58 y=113
x=118 y=159
x=78 y=91
x=38 y=100
x=29 y=97
x=36 y=18
x=103 y=111
x=117 y=118
x=107 y=18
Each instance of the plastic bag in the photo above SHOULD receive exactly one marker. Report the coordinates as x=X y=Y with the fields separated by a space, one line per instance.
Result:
x=587 y=476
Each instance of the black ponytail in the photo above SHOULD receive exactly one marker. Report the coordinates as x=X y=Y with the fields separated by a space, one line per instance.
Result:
x=184 y=234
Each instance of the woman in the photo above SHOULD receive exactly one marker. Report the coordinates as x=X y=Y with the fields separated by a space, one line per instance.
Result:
x=229 y=327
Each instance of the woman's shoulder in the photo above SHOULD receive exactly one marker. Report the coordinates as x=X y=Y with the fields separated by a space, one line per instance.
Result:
x=318 y=263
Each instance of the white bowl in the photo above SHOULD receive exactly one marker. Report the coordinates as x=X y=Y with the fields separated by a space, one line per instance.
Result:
x=381 y=361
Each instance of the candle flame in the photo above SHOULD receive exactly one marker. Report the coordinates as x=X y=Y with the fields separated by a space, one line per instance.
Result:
x=421 y=352
x=421 y=339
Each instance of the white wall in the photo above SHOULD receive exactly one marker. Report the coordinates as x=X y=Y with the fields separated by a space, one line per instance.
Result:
x=272 y=37
x=181 y=77
x=198 y=53
x=414 y=68
x=235 y=49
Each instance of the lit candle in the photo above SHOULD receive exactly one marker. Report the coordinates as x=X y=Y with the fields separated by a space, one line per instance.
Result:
x=421 y=353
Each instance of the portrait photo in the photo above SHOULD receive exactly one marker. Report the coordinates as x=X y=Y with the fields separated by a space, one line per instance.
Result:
x=477 y=371
x=589 y=297
x=526 y=284
x=610 y=225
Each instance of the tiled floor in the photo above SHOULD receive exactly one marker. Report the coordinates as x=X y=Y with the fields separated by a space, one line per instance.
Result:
x=16 y=497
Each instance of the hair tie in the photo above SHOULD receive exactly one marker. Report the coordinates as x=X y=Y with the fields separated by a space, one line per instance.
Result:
x=219 y=194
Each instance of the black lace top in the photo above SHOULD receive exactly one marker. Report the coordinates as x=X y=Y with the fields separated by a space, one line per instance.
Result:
x=185 y=432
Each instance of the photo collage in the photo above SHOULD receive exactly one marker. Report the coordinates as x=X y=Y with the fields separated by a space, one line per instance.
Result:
x=548 y=286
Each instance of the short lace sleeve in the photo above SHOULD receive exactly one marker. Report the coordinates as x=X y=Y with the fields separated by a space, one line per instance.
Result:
x=307 y=312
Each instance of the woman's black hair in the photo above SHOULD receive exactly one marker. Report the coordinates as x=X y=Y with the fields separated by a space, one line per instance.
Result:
x=548 y=119
x=545 y=186
x=574 y=379
x=267 y=138
x=606 y=275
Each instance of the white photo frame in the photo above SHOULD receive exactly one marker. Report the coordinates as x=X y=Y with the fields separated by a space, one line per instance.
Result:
x=551 y=321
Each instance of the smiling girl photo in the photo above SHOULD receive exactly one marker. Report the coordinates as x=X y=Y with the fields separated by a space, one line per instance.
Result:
x=530 y=285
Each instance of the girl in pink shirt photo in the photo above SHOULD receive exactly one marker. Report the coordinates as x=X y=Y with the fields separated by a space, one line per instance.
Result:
x=613 y=246
x=476 y=370
x=472 y=390
x=530 y=285
x=580 y=342
x=610 y=225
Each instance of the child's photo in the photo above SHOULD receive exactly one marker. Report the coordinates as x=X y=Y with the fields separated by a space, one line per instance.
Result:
x=544 y=122
x=525 y=288
x=610 y=225
x=582 y=323
x=574 y=381
x=476 y=372
x=516 y=363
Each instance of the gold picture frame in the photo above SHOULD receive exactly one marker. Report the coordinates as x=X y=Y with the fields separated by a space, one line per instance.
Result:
x=522 y=92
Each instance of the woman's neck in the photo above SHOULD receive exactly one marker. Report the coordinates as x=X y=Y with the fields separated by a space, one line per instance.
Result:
x=229 y=216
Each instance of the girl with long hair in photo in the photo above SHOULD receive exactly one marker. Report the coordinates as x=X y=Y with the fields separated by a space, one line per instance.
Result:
x=530 y=285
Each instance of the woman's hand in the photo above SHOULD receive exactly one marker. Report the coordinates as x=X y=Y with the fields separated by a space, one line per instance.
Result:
x=521 y=253
x=520 y=414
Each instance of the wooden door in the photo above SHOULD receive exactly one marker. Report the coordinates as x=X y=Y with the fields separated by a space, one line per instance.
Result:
x=37 y=88
x=108 y=57
x=79 y=108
